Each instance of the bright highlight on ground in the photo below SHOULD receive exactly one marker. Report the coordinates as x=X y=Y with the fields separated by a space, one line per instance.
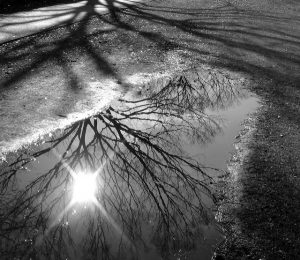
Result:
x=84 y=187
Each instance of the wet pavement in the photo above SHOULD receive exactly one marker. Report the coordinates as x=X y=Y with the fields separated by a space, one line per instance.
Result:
x=136 y=181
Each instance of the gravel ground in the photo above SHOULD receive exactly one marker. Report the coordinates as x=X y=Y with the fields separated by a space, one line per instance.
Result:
x=260 y=204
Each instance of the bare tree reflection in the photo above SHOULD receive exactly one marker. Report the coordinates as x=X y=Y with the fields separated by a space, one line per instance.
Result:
x=149 y=189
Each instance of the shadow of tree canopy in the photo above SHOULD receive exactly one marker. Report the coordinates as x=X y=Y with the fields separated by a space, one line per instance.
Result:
x=149 y=189
x=224 y=36
x=260 y=44
x=243 y=40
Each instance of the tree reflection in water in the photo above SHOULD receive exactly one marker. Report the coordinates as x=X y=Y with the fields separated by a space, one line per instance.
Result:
x=149 y=190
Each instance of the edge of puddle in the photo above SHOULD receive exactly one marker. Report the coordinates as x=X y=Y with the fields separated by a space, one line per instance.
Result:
x=229 y=188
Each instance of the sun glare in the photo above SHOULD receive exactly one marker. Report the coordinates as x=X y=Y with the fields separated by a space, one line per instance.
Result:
x=84 y=187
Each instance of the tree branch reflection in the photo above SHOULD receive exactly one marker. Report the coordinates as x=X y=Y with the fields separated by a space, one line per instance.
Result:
x=150 y=189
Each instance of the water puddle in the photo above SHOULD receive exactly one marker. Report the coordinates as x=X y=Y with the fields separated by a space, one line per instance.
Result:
x=133 y=182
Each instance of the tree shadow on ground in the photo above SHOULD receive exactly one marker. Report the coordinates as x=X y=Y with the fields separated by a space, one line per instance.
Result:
x=261 y=45
x=256 y=43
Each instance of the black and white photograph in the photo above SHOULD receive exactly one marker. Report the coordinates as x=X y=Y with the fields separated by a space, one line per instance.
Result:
x=149 y=129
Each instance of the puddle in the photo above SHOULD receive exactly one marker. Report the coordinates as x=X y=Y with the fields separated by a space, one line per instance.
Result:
x=151 y=166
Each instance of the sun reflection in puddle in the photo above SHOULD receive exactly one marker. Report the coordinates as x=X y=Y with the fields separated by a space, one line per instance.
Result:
x=87 y=189
x=84 y=187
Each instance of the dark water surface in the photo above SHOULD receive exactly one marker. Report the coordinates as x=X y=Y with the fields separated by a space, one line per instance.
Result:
x=133 y=182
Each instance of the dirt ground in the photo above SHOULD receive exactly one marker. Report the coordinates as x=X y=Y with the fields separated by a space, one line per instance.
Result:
x=54 y=78
x=260 y=204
